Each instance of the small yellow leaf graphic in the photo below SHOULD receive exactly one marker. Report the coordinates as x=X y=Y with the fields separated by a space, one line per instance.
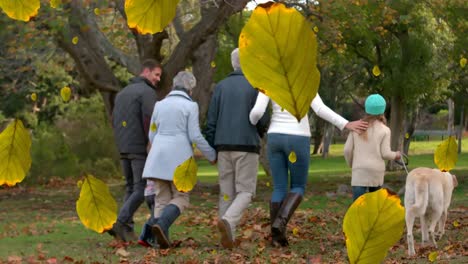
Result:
x=446 y=154
x=295 y=231
x=34 y=97
x=456 y=223
x=15 y=156
x=316 y=29
x=214 y=252
x=65 y=93
x=185 y=175
x=373 y=223
x=226 y=197
x=150 y=16
x=97 y=12
x=292 y=157
x=96 y=207
x=376 y=70
x=462 y=62
x=269 y=57
x=407 y=135
x=213 y=64
x=433 y=256
x=20 y=10
x=268 y=184
x=55 y=3
x=124 y=123
x=75 y=40
x=153 y=127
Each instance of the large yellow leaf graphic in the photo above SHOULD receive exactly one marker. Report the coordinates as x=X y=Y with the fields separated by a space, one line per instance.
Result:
x=446 y=155
x=278 y=55
x=185 y=175
x=96 y=207
x=20 y=9
x=373 y=223
x=15 y=155
x=150 y=16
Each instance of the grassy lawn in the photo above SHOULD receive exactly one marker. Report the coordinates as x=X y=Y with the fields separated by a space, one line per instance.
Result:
x=38 y=224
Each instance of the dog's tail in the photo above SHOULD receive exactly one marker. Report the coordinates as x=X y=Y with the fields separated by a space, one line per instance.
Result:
x=421 y=195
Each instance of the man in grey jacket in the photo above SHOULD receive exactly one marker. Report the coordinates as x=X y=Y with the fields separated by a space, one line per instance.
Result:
x=237 y=143
x=131 y=120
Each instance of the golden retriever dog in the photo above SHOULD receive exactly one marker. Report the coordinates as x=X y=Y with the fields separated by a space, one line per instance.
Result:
x=427 y=195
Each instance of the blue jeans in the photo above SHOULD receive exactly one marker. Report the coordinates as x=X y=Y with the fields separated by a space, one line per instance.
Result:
x=360 y=190
x=279 y=148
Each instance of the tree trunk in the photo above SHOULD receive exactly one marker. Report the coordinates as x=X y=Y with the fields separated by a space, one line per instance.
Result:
x=212 y=18
x=397 y=117
x=410 y=127
x=327 y=138
x=264 y=157
x=317 y=134
x=451 y=117
x=460 y=129
x=204 y=73
x=93 y=47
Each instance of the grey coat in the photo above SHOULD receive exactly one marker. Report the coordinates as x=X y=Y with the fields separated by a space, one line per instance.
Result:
x=131 y=116
x=177 y=127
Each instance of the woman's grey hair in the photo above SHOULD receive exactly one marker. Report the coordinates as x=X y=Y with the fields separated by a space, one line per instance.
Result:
x=235 y=61
x=184 y=79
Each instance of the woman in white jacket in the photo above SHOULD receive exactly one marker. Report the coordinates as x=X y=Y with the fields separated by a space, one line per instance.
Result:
x=286 y=135
x=174 y=128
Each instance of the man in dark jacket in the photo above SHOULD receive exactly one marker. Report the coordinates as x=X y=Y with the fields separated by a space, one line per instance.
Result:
x=131 y=120
x=237 y=143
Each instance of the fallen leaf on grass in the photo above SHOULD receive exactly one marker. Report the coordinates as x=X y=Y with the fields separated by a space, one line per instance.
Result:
x=52 y=261
x=315 y=259
x=69 y=259
x=14 y=259
x=433 y=256
x=122 y=252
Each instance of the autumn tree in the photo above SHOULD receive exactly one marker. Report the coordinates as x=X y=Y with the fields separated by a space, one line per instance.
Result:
x=395 y=48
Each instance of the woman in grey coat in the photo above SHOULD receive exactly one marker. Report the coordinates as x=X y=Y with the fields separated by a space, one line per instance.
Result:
x=174 y=128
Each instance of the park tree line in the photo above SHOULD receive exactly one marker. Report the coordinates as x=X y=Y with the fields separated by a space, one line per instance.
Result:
x=412 y=52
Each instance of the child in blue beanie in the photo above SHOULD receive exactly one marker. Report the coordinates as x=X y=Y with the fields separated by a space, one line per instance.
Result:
x=366 y=153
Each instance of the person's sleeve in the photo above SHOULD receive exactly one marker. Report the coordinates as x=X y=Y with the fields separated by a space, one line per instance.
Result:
x=152 y=132
x=348 y=150
x=147 y=105
x=212 y=118
x=259 y=108
x=385 y=149
x=327 y=114
x=196 y=137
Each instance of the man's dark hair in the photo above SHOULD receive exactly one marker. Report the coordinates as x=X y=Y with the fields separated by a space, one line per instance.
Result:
x=150 y=64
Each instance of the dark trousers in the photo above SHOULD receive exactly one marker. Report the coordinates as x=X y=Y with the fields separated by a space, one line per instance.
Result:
x=132 y=165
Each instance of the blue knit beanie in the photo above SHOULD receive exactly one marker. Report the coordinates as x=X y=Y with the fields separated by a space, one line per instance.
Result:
x=375 y=104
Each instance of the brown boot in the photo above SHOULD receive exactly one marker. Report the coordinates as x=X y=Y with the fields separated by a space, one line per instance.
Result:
x=274 y=208
x=280 y=223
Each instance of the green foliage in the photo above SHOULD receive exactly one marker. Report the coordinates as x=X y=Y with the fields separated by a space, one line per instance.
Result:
x=227 y=41
x=80 y=140
x=51 y=156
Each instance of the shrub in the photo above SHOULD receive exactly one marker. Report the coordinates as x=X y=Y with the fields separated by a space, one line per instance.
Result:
x=80 y=140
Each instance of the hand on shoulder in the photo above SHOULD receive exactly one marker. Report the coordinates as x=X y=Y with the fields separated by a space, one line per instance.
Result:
x=358 y=126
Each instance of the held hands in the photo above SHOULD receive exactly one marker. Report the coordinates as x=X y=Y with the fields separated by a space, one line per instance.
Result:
x=357 y=126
